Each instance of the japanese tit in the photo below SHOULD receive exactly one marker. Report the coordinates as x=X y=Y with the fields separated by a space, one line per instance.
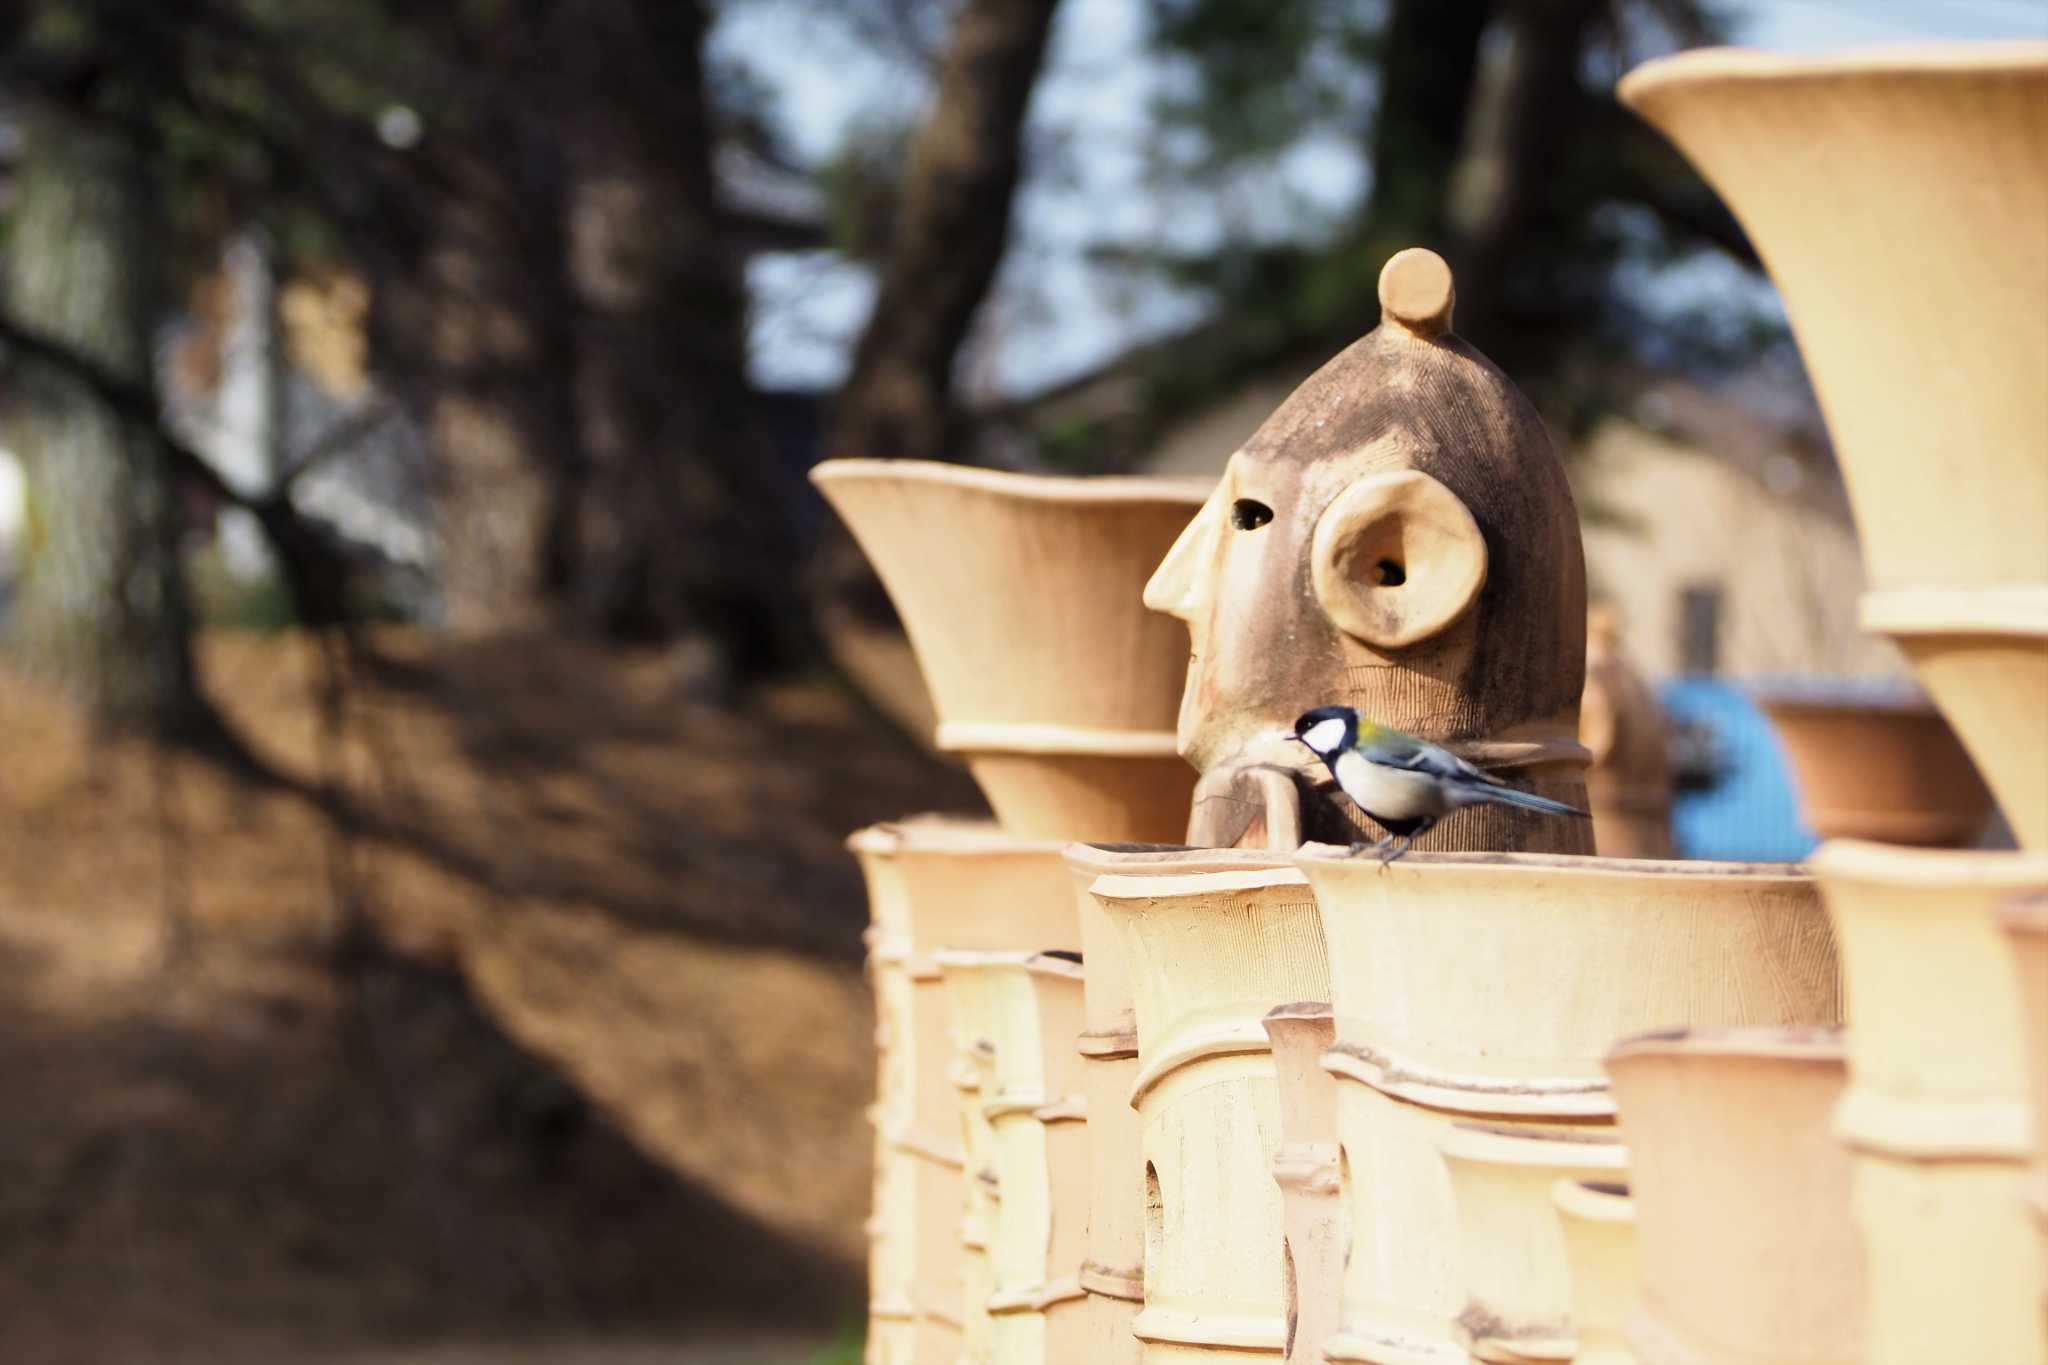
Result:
x=1405 y=784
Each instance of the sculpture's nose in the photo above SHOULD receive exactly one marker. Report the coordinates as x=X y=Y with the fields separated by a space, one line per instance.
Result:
x=1179 y=585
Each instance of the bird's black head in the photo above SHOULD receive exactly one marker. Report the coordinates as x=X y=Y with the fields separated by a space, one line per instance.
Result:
x=1327 y=730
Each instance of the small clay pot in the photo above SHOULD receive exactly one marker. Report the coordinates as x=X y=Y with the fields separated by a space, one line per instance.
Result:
x=1742 y=1198
x=1892 y=771
x=1598 y=1222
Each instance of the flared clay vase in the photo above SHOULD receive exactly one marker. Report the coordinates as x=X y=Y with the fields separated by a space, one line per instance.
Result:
x=1023 y=596
x=1891 y=771
x=1906 y=225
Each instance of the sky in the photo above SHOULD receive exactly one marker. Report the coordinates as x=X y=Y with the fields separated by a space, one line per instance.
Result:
x=1088 y=121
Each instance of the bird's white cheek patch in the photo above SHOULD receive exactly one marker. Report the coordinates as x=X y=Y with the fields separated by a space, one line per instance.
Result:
x=1324 y=735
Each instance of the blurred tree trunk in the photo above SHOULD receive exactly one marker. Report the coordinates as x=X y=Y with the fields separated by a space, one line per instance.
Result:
x=1428 y=69
x=687 y=529
x=499 y=335
x=954 y=219
x=1504 y=197
x=102 y=604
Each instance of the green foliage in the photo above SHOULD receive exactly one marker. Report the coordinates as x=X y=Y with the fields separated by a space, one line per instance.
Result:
x=848 y=1349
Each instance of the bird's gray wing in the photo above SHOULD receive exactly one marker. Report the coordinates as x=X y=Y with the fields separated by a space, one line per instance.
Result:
x=1416 y=755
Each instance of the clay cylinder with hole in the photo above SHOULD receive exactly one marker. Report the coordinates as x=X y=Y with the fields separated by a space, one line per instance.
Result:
x=1210 y=954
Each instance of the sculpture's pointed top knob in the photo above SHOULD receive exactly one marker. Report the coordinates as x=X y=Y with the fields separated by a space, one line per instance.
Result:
x=1416 y=291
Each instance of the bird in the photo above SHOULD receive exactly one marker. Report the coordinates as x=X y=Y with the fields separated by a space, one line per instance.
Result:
x=1405 y=784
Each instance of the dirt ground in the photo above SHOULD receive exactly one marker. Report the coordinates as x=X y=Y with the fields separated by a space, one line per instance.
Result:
x=524 y=1023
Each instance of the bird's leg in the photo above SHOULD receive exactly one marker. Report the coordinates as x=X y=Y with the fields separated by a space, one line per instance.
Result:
x=1358 y=847
x=1389 y=854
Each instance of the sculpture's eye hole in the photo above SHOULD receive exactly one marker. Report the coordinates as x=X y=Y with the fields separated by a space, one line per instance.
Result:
x=1249 y=514
x=1388 y=573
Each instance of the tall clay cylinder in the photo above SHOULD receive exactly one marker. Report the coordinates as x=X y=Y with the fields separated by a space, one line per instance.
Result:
x=1937 y=1110
x=1742 y=1198
x=1210 y=955
x=2026 y=928
x=1023 y=598
x=1309 y=1169
x=1907 y=228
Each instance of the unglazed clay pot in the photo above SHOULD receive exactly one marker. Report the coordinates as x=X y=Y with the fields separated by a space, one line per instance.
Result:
x=2026 y=929
x=1518 y=1283
x=1597 y=1220
x=932 y=885
x=1937 y=1112
x=1114 y=1271
x=1742 y=1198
x=1309 y=1169
x=1907 y=228
x=973 y=1073
x=1030 y=1007
x=1023 y=598
x=1210 y=954
x=1880 y=770
x=1629 y=787
x=1488 y=987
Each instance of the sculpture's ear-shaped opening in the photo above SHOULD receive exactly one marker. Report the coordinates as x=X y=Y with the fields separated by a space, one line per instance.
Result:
x=1397 y=558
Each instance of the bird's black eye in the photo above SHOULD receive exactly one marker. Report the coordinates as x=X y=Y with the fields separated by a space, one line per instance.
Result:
x=1249 y=514
x=1388 y=573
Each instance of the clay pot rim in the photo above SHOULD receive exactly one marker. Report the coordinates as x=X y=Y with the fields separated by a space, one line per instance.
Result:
x=1575 y=1197
x=1710 y=65
x=1028 y=739
x=1998 y=609
x=1091 y=860
x=1033 y=961
x=1065 y=488
x=1311 y=1011
x=1328 y=856
x=1861 y=862
x=1123 y=887
x=943 y=835
x=1827 y=1046
x=1598 y=1149
x=1909 y=704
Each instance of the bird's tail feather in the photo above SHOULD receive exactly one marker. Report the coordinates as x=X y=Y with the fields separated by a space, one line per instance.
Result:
x=1531 y=801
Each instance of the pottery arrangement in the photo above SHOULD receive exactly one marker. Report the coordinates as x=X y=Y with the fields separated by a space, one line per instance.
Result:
x=1907 y=228
x=1892 y=771
x=1474 y=997
x=1263 y=1096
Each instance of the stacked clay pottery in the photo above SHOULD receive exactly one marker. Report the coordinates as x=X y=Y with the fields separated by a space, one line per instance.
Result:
x=1309 y=1169
x=2026 y=928
x=1017 y=1029
x=936 y=886
x=1907 y=229
x=1889 y=770
x=1483 y=990
x=1597 y=1220
x=1113 y=1272
x=1937 y=1113
x=1747 y=1248
x=1210 y=954
x=1518 y=1281
x=1022 y=596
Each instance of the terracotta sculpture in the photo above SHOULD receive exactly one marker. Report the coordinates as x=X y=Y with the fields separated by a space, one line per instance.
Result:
x=1397 y=537
x=1630 y=783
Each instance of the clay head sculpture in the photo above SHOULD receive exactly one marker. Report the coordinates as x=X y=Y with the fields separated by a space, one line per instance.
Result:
x=1398 y=538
